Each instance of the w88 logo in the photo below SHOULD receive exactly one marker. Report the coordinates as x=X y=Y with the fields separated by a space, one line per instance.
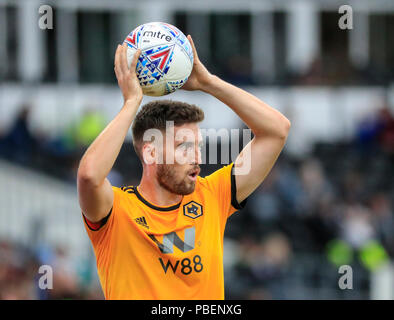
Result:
x=186 y=265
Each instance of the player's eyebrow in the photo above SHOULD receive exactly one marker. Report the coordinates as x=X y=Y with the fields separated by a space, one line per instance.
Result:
x=200 y=144
x=187 y=143
x=179 y=143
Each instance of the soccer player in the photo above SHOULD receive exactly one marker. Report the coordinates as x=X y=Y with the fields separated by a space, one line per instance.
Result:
x=163 y=239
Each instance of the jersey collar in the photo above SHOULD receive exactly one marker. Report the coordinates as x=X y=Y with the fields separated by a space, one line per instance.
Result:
x=142 y=199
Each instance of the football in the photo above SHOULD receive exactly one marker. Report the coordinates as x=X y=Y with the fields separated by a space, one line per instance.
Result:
x=166 y=59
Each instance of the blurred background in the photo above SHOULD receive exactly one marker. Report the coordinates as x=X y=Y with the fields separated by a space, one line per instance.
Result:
x=329 y=199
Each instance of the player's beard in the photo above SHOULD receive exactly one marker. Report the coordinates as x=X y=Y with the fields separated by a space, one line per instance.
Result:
x=169 y=180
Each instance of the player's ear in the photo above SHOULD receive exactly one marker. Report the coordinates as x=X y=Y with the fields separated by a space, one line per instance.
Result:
x=149 y=153
x=152 y=154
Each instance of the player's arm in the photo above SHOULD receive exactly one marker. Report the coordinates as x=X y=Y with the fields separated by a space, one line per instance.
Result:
x=94 y=190
x=270 y=129
x=269 y=126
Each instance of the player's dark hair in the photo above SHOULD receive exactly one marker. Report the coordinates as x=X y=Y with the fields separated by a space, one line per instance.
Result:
x=154 y=115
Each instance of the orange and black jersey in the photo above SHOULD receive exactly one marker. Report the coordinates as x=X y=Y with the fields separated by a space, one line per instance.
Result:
x=144 y=251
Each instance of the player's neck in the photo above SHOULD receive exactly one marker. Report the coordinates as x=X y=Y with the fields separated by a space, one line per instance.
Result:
x=156 y=194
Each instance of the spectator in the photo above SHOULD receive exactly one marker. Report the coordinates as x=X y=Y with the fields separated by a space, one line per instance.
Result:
x=19 y=144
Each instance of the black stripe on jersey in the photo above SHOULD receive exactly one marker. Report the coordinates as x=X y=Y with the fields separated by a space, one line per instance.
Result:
x=102 y=222
x=175 y=206
x=234 y=201
x=128 y=189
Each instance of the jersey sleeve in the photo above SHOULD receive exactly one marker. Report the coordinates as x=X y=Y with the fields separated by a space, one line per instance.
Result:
x=222 y=183
x=100 y=232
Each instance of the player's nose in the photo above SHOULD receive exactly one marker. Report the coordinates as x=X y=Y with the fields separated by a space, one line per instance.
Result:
x=198 y=156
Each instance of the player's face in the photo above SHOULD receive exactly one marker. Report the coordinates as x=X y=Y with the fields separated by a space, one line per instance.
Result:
x=182 y=156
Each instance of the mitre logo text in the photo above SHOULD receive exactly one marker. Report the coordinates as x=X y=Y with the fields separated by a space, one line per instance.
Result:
x=157 y=34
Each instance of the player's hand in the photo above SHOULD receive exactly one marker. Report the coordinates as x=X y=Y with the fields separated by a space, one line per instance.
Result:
x=127 y=78
x=200 y=77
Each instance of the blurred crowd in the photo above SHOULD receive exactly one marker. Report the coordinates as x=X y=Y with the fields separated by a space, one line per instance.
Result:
x=22 y=278
x=310 y=216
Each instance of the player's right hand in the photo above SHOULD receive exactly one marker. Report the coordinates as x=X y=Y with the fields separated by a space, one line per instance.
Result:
x=127 y=78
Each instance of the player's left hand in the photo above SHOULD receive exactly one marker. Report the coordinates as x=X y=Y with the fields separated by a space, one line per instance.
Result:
x=200 y=77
